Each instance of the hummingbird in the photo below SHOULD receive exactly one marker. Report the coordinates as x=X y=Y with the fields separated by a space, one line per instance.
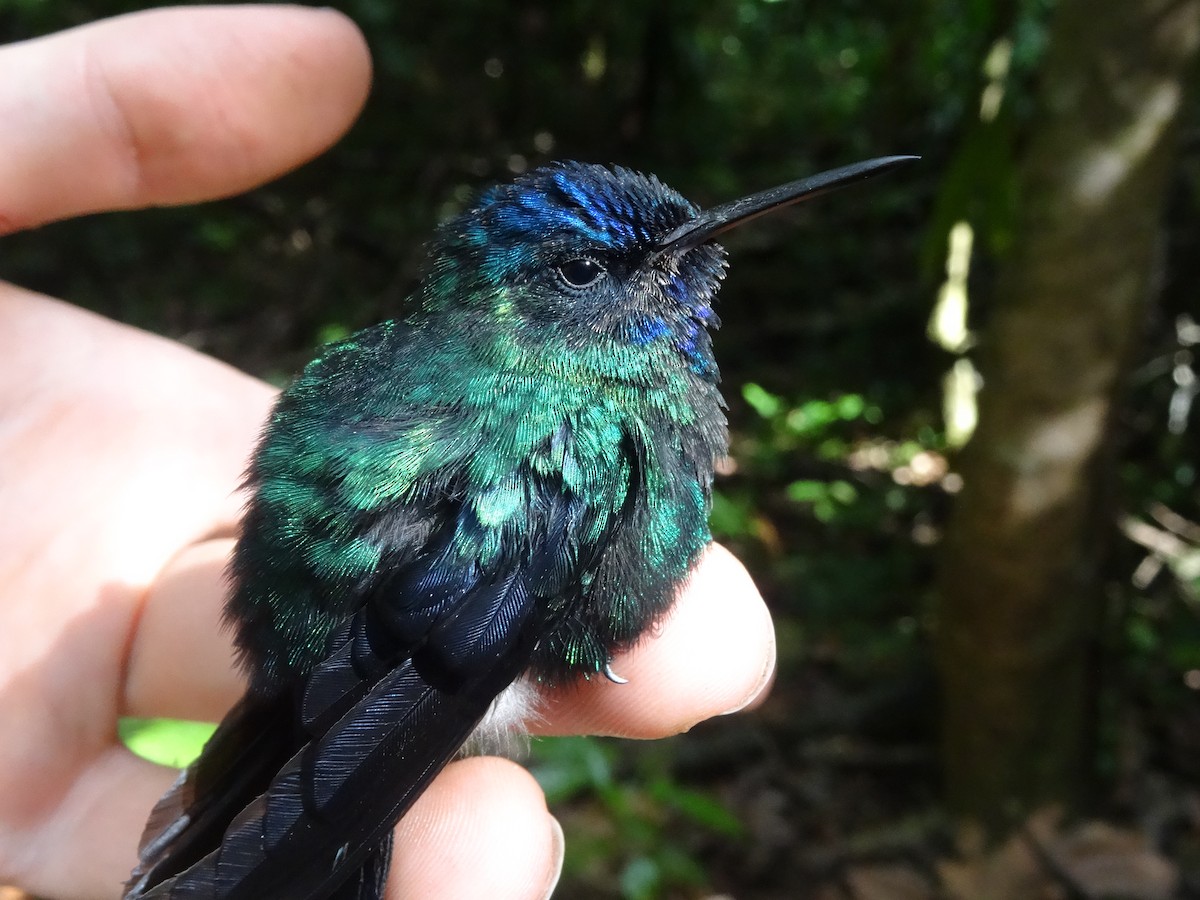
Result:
x=502 y=488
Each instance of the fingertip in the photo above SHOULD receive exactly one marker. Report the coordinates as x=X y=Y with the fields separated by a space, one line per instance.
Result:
x=172 y=106
x=481 y=829
x=712 y=655
x=558 y=851
x=759 y=631
x=229 y=97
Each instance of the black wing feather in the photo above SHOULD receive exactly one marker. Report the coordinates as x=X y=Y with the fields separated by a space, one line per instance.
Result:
x=296 y=795
x=334 y=803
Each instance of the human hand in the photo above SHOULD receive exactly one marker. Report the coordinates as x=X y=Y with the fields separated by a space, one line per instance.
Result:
x=121 y=452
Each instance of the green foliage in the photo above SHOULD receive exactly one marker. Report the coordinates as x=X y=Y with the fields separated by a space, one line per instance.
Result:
x=643 y=809
x=979 y=183
x=472 y=91
x=838 y=518
x=168 y=742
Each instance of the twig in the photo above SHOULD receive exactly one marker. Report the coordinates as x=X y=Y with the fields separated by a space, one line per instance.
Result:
x=1162 y=543
x=1173 y=521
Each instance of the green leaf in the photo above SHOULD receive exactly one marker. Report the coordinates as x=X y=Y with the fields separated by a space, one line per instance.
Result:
x=731 y=516
x=640 y=879
x=703 y=808
x=761 y=400
x=807 y=491
x=168 y=742
x=566 y=767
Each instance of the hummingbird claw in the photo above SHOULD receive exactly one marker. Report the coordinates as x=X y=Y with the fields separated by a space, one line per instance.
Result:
x=613 y=676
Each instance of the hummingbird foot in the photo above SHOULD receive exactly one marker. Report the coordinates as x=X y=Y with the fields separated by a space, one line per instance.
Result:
x=613 y=676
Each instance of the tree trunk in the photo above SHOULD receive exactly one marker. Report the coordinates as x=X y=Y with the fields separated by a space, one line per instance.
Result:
x=1020 y=595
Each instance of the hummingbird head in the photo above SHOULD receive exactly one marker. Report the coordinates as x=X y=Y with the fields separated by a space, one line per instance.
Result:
x=591 y=258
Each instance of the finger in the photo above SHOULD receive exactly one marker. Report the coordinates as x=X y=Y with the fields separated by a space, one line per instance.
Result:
x=166 y=432
x=713 y=654
x=171 y=106
x=181 y=663
x=88 y=847
x=480 y=830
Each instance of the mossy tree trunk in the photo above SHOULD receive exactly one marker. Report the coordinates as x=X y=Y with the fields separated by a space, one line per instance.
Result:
x=1020 y=596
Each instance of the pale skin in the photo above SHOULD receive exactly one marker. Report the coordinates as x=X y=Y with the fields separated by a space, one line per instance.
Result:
x=120 y=455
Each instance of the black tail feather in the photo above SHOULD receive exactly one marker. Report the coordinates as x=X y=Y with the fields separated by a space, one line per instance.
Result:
x=296 y=829
x=369 y=881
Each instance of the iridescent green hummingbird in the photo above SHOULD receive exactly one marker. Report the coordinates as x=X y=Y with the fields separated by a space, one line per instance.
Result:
x=503 y=487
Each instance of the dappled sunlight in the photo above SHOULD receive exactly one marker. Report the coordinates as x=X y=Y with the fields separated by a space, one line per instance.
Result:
x=948 y=324
x=1052 y=458
x=1106 y=165
x=995 y=69
x=960 y=408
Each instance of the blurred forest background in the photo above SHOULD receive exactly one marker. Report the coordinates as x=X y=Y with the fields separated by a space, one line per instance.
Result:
x=988 y=598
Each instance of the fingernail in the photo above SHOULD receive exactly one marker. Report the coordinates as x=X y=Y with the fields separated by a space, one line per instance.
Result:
x=764 y=682
x=558 y=848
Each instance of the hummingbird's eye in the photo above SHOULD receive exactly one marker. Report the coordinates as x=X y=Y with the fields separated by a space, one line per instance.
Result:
x=580 y=273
